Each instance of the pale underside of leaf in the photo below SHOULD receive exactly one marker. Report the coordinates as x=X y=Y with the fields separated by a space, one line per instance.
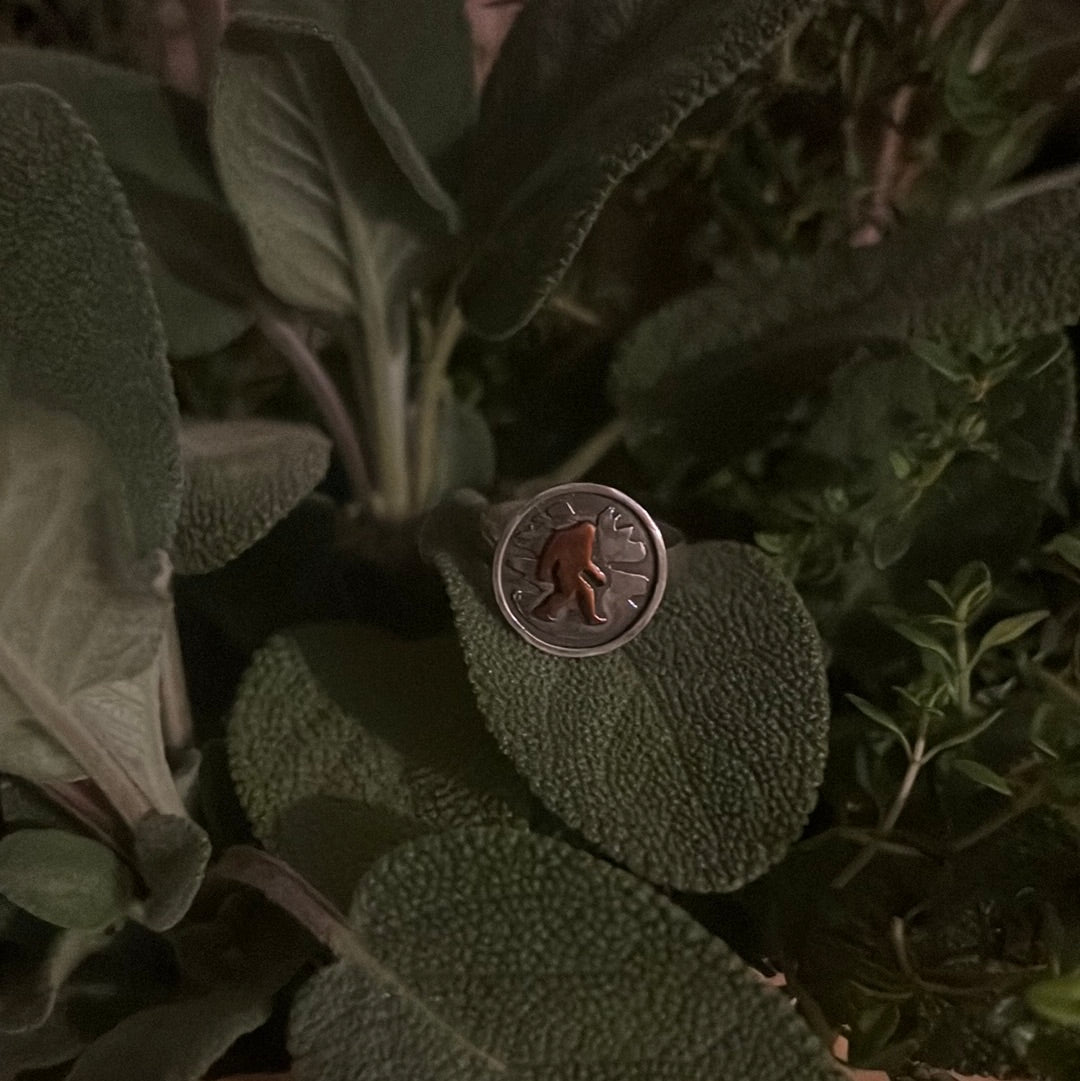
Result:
x=240 y=479
x=80 y=620
x=529 y=960
x=693 y=752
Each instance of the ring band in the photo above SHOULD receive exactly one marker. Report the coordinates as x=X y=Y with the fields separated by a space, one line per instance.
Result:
x=579 y=570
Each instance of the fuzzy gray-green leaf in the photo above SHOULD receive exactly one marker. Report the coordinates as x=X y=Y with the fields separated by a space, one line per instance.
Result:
x=79 y=329
x=171 y=854
x=154 y=140
x=354 y=714
x=63 y=878
x=240 y=479
x=599 y=88
x=529 y=960
x=692 y=753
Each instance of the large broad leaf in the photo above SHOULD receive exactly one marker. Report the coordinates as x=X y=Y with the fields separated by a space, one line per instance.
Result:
x=155 y=140
x=510 y=956
x=581 y=95
x=323 y=139
x=78 y=326
x=345 y=740
x=240 y=479
x=692 y=753
x=712 y=374
x=80 y=619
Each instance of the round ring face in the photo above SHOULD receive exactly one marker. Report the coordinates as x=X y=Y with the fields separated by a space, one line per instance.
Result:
x=580 y=570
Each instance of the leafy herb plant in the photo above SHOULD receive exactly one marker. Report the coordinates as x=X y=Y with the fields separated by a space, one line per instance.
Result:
x=294 y=298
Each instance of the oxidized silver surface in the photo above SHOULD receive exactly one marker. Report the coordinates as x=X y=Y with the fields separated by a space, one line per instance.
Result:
x=579 y=570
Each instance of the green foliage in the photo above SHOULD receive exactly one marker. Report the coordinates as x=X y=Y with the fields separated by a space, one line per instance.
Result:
x=600 y=90
x=155 y=141
x=504 y=954
x=65 y=879
x=171 y=853
x=662 y=774
x=975 y=285
x=79 y=329
x=240 y=479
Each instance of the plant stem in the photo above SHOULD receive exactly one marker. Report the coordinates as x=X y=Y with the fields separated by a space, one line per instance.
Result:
x=1012 y=193
x=433 y=388
x=903 y=793
x=176 y=726
x=324 y=394
x=963 y=671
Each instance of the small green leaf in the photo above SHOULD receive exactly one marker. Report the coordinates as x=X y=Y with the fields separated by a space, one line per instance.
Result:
x=467 y=450
x=171 y=854
x=693 y=752
x=240 y=479
x=924 y=639
x=1008 y=630
x=600 y=88
x=879 y=716
x=504 y=954
x=1058 y=1000
x=1067 y=546
x=79 y=329
x=63 y=878
x=982 y=775
x=970 y=590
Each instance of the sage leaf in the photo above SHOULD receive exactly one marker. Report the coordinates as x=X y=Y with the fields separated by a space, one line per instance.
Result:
x=79 y=329
x=63 y=878
x=511 y=955
x=1057 y=999
x=741 y=350
x=171 y=854
x=80 y=619
x=691 y=754
x=54 y=1042
x=599 y=88
x=324 y=718
x=466 y=449
x=155 y=141
x=240 y=479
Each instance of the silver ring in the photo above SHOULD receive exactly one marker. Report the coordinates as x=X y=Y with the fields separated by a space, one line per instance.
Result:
x=579 y=570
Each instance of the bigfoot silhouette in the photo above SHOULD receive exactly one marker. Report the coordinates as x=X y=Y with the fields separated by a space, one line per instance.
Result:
x=566 y=558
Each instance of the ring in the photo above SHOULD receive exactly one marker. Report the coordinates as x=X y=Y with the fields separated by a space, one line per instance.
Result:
x=579 y=570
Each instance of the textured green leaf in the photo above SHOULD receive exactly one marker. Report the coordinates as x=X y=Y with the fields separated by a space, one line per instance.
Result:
x=315 y=155
x=240 y=479
x=63 y=878
x=519 y=957
x=357 y=714
x=599 y=88
x=692 y=753
x=79 y=329
x=80 y=620
x=155 y=141
x=171 y=854
x=711 y=374
x=466 y=449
